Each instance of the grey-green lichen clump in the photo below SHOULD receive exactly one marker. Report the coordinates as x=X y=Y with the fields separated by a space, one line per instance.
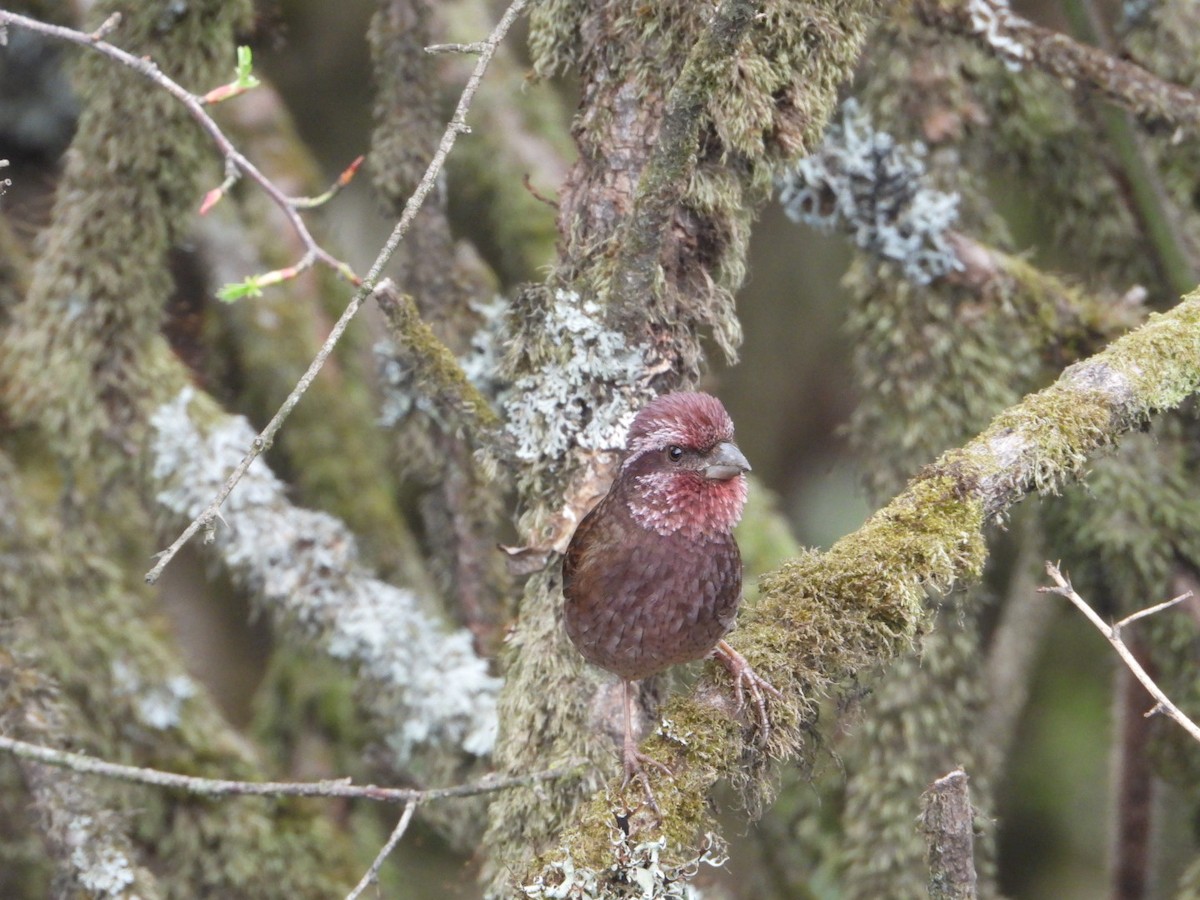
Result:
x=558 y=407
x=636 y=869
x=862 y=181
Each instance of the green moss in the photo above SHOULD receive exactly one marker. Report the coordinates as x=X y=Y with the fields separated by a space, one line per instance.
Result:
x=752 y=111
x=109 y=656
x=1160 y=359
x=438 y=370
x=72 y=359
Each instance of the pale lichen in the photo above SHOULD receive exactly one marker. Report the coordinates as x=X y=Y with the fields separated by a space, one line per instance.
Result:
x=637 y=871
x=99 y=867
x=990 y=19
x=586 y=390
x=158 y=706
x=863 y=182
x=425 y=680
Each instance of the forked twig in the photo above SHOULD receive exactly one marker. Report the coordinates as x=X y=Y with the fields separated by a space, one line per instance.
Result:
x=1113 y=635
x=235 y=161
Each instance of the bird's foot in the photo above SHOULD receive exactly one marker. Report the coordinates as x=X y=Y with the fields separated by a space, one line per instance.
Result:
x=635 y=770
x=746 y=680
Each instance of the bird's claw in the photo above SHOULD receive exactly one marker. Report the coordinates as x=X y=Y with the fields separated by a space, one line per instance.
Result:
x=635 y=770
x=746 y=679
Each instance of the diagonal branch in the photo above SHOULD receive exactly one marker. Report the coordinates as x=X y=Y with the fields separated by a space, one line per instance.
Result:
x=825 y=617
x=1113 y=635
x=398 y=832
x=457 y=126
x=1018 y=40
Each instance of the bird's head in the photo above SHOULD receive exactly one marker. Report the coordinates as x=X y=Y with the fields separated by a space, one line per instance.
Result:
x=682 y=470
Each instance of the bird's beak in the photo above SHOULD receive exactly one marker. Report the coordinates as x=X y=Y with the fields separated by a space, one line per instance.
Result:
x=724 y=462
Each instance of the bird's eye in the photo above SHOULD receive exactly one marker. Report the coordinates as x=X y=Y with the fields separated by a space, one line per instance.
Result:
x=675 y=453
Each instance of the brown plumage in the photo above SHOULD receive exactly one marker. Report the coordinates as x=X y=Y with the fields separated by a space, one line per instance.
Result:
x=653 y=576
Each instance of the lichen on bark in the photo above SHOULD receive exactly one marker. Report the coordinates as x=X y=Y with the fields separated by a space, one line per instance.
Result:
x=758 y=100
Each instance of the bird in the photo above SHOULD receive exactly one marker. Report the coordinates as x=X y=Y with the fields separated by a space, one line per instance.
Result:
x=652 y=576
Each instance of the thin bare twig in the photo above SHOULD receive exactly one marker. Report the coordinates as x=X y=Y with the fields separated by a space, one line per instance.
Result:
x=1113 y=634
x=397 y=833
x=1149 y=611
x=456 y=127
x=220 y=787
x=195 y=107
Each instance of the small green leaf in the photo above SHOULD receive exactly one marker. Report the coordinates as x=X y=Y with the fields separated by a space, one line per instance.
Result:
x=235 y=291
x=245 y=77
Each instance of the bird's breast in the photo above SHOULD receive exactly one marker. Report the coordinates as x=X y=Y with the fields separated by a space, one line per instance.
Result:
x=638 y=601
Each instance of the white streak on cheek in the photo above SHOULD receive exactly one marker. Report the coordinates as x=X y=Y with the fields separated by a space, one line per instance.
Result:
x=655 y=507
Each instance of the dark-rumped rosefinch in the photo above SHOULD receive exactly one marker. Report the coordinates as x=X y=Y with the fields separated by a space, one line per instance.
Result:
x=653 y=576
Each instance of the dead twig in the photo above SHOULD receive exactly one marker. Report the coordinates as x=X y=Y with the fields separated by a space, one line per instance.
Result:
x=1113 y=635
x=221 y=787
x=397 y=833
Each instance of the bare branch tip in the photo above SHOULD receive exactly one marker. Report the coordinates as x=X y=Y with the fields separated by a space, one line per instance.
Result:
x=107 y=27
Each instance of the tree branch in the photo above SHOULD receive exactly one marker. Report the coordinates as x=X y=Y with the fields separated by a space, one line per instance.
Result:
x=1018 y=40
x=1113 y=635
x=220 y=787
x=824 y=617
x=398 y=832
x=948 y=823
x=456 y=127
x=423 y=680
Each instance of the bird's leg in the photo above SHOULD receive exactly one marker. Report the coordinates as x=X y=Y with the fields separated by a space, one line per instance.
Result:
x=636 y=761
x=746 y=679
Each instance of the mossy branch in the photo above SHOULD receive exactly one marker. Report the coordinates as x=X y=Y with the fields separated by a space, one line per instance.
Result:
x=668 y=171
x=824 y=617
x=1073 y=318
x=437 y=367
x=1150 y=98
